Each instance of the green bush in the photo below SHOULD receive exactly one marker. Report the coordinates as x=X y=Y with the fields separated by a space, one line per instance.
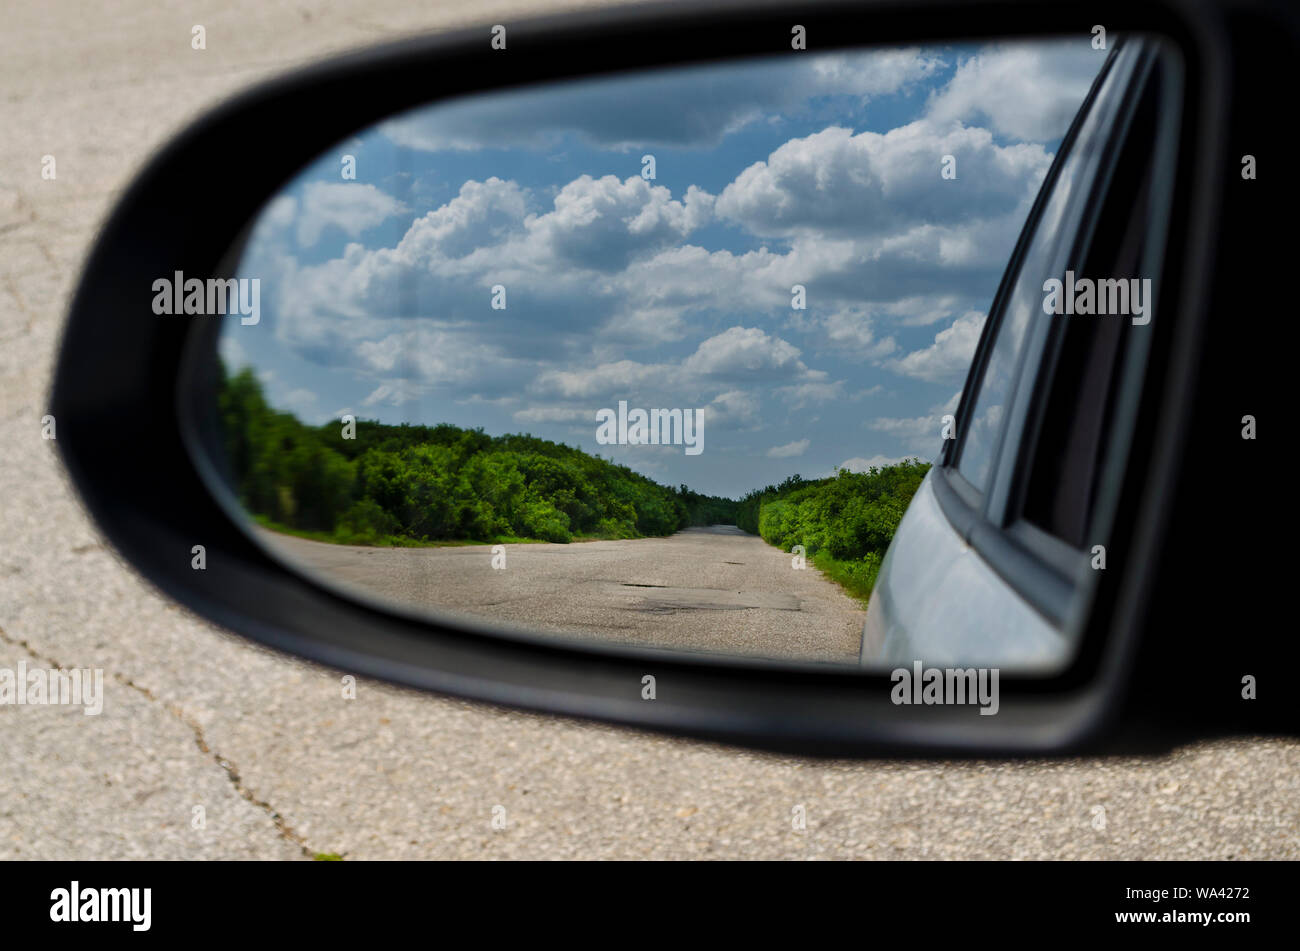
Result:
x=365 y=523
x=615 y=528
x=845 y=523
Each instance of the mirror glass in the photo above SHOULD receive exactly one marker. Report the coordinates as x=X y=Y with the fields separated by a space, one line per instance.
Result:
x=658 y=359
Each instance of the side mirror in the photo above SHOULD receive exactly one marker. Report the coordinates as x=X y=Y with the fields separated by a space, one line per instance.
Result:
x=489 y=373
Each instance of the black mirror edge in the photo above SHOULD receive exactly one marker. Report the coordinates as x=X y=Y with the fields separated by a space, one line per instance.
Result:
x=115 y=392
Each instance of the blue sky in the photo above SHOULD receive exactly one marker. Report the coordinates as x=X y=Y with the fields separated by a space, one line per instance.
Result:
x=817 y=170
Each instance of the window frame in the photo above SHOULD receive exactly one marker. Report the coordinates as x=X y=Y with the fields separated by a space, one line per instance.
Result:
x=951 y=450
x=1131 y=352
x=1044 y=570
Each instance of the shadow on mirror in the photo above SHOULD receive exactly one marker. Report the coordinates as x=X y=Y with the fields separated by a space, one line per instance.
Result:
x=658 y=359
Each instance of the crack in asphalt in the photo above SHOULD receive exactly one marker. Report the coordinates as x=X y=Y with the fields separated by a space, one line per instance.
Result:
x=282 y=827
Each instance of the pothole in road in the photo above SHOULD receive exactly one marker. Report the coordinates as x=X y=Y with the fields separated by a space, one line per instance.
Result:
x=668 y=599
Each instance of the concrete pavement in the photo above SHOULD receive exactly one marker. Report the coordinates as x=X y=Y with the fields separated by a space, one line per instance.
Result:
x=714 y=590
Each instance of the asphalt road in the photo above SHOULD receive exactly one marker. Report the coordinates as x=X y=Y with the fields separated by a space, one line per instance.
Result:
x=714 y=590
x=278 y=762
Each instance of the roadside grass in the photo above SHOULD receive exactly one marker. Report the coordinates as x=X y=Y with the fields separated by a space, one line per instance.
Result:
x=341 y=536
x=856 y=577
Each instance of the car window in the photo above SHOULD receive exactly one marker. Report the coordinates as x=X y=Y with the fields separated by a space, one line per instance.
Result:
x=984 y=423
x=1064 y=459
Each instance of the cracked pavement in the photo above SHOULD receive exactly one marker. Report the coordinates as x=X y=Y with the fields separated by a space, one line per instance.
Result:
x=689 y=593
x=282 y=766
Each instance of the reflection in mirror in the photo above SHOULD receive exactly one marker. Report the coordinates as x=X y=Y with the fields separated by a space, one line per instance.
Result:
x=655 y=360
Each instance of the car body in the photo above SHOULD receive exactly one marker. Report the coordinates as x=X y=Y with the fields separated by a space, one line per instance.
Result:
x=970 y=578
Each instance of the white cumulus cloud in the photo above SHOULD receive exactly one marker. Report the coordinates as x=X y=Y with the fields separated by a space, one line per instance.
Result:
x=352 y=206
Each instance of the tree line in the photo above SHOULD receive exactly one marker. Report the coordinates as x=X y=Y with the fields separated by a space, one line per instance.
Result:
x=414 y=484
